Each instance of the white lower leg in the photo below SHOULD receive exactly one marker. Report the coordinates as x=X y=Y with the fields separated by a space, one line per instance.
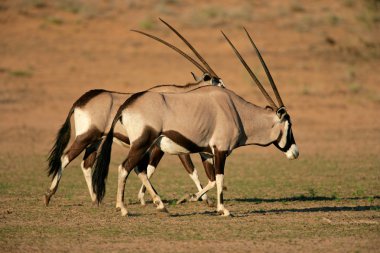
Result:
x=219 y=189
x=122 y=175
x=156 y=199
x=140 y=196
x=88 y=177
x=194 y=176
x=209 y=186
x=57 y=178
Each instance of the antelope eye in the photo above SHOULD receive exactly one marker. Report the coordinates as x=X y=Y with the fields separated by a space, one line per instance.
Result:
x=206 y=77
x=215 y=81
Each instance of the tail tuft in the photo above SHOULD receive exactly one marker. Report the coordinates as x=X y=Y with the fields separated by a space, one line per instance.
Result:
x=61 y=141
x=101 y=168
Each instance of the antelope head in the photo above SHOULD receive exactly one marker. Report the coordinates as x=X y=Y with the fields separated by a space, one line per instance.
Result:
x=281 y=127
x=209 y=74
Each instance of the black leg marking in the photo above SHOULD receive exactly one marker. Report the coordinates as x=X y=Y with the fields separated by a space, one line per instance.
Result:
x=209 y=169
x=156 y=155
x=187 y=163
x=91 y=137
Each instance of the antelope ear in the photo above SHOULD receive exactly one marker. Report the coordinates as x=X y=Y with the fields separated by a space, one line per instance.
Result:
x=281 y=112
x=196 y=78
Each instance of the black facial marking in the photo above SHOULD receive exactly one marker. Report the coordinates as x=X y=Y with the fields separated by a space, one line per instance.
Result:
x=215 y=81
x=289 y=137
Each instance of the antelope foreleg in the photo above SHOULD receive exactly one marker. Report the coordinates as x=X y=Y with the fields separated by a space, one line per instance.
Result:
x=155 y=157
x=141 y=194
x=140 y=170
x=220 y=159
x=122 y=178
x=55 y=182
x=193 y=173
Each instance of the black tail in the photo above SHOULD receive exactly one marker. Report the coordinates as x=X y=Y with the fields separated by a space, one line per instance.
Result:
x=62 y=139
x=101 y=167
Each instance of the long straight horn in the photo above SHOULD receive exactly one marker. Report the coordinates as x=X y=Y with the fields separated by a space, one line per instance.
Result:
x=265 y=93
x=279 y=100
x=212 y=72
x=201 y=68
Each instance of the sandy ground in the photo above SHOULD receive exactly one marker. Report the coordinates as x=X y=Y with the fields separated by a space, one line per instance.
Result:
x=324 y=57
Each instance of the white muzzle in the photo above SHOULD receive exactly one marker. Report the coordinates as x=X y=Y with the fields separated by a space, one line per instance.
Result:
x=292 y=153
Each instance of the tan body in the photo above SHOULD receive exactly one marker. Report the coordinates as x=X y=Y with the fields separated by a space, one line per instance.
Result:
x=209 y=120
x=93 y=114
x=228 y=122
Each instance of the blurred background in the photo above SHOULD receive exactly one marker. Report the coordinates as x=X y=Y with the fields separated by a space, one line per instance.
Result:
x=323 y=55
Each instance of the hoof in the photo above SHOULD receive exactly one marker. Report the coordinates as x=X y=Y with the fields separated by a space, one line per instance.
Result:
x=193 y=198
x=142 y=202
x=140 y=197
x=124 y=212
x=183 y=199
x=224 y=213
x=163 y=210
x=209 y=202
x=46 y=199
x=119 y=207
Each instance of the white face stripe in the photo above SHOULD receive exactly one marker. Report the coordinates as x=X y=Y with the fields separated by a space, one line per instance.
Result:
x=284 y=136
x=82 y=121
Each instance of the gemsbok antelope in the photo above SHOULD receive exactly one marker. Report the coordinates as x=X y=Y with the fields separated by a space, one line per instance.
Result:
x=208 y=120
x=93 y=113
